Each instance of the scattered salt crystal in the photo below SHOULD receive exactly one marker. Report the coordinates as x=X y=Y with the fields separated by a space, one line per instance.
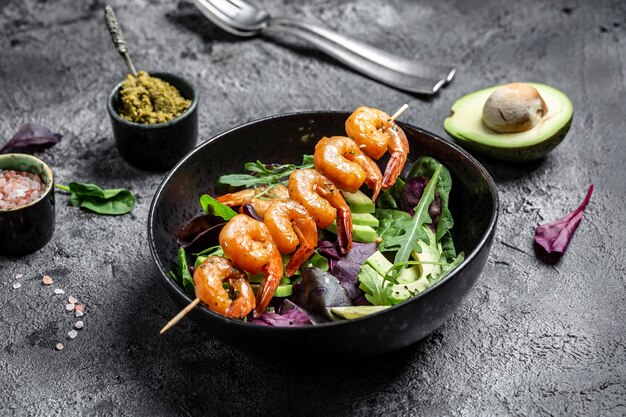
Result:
x=72 y=300
x=18 y=276
x=16 y=285
x=72 y=334
x=46 y=280
x=59 y=291
x=59 y=346
x=78 y=313
x=79 y=325
x=69 y=307
x=80 y=307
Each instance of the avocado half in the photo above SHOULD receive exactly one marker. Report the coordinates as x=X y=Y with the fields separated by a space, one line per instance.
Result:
x=466 y=126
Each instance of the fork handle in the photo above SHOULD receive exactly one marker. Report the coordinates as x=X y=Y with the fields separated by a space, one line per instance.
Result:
x=380 y=56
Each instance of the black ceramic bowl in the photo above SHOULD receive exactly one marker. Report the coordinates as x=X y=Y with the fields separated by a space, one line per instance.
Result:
x=284 y=139
x=27 y=228
x=156 y=147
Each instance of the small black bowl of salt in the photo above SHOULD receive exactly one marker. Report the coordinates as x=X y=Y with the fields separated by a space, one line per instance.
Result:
x=27 y=214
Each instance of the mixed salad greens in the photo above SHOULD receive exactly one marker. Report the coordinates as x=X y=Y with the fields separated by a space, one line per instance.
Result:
x=402 y=246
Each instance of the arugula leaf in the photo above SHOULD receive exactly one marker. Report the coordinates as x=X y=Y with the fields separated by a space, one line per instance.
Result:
x=411 y=230
x=377 y=290
x=426 y=166
x=264 y=174
x=91 y=197
x=213 y=207
x=387 y=226
x=183 y=271
x=446 y=269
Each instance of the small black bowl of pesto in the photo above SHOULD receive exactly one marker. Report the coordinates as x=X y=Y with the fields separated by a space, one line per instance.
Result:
x=154 y=119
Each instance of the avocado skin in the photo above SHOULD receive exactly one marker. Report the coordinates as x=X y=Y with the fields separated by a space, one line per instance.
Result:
x=519 y=154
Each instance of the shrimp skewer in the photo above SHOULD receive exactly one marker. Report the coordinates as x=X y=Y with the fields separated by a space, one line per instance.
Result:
x=293 y=230
x=249 y=244
x=344 y=163
x=324 y=203
x=209 y=279
x=376 y=133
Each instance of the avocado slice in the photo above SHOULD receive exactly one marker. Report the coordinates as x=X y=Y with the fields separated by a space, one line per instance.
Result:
x=466 y=126
x=364 y=219
x=356 y=312
x=363 y=234
x=359 y=202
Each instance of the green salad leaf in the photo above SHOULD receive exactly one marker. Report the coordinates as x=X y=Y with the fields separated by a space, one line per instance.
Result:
x=377 y=290
x=214 y=208
x=181 y=273
x=411 y=230
x=93 y=198
x=264 y=174
x=426 y=166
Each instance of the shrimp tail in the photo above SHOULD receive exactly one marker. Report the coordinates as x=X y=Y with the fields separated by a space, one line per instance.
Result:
x=393 y=170
x=305 y=250
x=273 y=272
x=344 y=230
x=398 y=150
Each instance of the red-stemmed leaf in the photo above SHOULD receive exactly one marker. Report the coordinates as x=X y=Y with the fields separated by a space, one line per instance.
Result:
x=555 y=236
x=31 y=137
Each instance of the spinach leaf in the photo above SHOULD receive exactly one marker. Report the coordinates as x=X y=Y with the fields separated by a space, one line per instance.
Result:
x=183 y=272
x=264 y=174
x=426 y=166
x=411 y=230
x=390 y=199
x=213 y=207
x=91 y=197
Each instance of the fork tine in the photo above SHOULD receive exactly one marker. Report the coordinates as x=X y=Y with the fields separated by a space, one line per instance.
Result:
x=226 y=7
x=237 y=4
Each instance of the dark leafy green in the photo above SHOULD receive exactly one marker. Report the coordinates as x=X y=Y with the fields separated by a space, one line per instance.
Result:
x=412 y=231
x=426 y=166
x=264 y=174
x=93 y=198
x=390 y=199
x=318 y=291
x=212 y=207
x=181 y=273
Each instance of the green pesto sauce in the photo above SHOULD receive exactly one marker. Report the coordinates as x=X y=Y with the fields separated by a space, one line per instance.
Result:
x=149 y=100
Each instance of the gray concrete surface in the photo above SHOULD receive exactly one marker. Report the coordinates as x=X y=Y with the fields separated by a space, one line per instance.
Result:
x=531 y=339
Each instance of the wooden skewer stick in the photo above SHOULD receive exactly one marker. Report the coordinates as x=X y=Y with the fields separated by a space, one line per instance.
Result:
x=180 y=315
x=399 y=111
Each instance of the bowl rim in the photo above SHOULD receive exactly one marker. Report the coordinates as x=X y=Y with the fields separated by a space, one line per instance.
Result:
x=164 y=275
x=46 y=190
x=192 y=107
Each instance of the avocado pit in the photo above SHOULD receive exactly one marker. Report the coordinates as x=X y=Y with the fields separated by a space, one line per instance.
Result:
x=513 y=108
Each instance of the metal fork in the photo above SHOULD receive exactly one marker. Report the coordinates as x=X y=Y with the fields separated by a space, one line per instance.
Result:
x=245 y=19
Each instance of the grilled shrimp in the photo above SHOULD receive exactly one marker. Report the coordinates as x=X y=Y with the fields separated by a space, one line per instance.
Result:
x=261 y=203
x=323 y=201
x=249 y=244
x=376 y=133
x=291 y=226
x=343 y=162
x=209 y=279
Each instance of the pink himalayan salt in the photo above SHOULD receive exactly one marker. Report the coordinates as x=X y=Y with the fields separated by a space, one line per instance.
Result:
x=19 y=188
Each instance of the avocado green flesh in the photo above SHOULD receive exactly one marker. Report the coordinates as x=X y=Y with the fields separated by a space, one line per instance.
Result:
x=467 y=127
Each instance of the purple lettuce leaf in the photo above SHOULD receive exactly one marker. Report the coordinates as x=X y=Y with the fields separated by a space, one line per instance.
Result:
x=412 y=193
x=31 y=137
x=346 y=268
x=318 y=291
x=288 y=315
x=555 y=236
x=200 y=233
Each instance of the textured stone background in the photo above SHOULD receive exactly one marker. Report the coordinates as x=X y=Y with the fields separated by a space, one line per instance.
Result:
x=531 y=339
